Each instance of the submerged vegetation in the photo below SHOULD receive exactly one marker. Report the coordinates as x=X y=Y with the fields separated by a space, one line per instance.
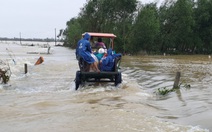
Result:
x=173 y=27
x=165 y=91
x=5 y=72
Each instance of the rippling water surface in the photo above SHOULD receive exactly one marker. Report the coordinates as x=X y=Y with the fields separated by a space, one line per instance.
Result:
x=44 y=99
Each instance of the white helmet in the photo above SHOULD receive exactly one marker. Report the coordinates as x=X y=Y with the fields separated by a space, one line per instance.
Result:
x=101 y=51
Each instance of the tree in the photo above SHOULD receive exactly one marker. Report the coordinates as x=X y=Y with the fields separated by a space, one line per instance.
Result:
x=145 y=30
x=180 y=23
x=73 y=32
x=177 y=26
x=203 y=15
x=165 y=16
x=108 y=16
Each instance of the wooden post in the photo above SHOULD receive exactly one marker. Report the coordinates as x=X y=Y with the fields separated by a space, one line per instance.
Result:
x=20 y=38
x=55 y=37
x=25 y=68
x=48 y=51
x=177 y=80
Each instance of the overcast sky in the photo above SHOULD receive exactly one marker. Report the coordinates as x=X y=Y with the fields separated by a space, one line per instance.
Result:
x=37 y=18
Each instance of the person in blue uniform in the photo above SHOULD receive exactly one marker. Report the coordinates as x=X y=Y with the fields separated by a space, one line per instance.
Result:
x=107 y=63
x=84 y=50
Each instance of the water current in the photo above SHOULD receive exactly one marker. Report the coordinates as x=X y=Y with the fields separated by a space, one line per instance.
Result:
x=44 y=99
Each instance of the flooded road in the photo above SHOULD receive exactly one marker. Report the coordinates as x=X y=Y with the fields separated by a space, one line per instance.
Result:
x=44 y=99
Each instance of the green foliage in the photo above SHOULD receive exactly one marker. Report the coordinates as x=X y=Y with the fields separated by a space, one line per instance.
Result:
x=176 y=27
x=203 y=15
x=4 y=78
x=73 y=33
x=146 y=29
x=177 y=23
x=103 y=16
x=165 y=91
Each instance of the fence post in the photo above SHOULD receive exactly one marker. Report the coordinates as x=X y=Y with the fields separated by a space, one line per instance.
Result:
x=25 y=68
x=177 y=80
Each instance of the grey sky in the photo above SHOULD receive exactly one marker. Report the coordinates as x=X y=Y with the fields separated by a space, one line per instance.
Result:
x=37 y=18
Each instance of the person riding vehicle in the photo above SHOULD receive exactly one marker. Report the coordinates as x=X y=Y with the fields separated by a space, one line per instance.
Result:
x=83 y=51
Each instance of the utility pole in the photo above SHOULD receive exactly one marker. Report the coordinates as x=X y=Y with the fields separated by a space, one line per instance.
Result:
x=20 y=38
x=55 y=37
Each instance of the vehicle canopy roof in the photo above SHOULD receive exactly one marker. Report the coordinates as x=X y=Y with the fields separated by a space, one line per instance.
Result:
x=102 y=35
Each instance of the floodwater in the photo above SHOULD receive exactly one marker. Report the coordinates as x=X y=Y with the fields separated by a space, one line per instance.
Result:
x=44 y=99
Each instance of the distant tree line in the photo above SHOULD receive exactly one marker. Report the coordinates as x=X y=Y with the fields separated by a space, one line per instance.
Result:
x=28 y=39
x=175 y=27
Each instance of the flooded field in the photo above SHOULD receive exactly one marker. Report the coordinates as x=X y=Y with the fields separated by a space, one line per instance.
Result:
x=185 y=106
x=44 y=99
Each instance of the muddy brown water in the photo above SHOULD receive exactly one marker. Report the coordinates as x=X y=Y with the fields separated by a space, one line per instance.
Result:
x=44 y=99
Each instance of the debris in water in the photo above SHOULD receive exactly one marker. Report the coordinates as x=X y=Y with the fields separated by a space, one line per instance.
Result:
x=39 y=61
x=5 y=72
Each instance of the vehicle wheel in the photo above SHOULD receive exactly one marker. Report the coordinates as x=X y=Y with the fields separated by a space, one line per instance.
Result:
x=77 y=80
x=118 y=78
